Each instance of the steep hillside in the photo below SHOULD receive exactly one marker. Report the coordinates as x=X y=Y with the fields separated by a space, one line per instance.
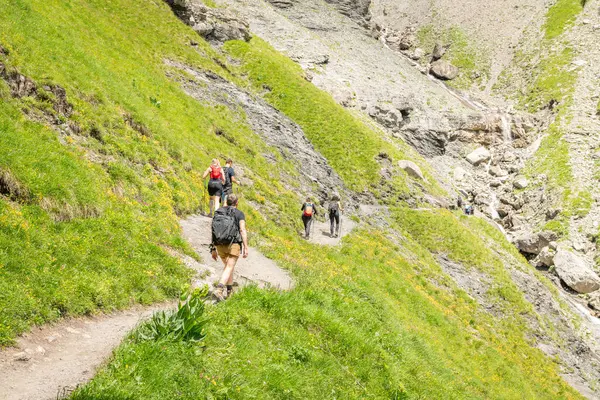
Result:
x=111 y=110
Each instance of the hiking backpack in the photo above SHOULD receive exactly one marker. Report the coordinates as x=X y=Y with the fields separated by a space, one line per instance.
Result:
x=225 y=229
x=227 y=171
x=334 y=207
x=215 y=172
x=308 y=210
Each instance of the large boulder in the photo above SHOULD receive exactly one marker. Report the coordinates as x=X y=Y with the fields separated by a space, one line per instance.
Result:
x=534 y=243
x=411 y=169
x=442 y=69
x=478 y=156
x=575 y=272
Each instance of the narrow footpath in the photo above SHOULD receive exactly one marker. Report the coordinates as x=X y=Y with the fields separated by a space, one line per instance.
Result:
x=51 y=361
x=320 y=232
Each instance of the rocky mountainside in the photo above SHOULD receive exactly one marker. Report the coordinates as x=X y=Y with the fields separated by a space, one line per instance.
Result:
x=407 y=111
x=481 y=146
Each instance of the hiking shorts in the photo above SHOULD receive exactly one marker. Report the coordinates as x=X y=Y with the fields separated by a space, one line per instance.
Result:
x=226 y=251
x=215 y=187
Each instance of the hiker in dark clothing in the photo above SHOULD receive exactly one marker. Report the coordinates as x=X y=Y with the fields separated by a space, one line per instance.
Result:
x=308 y=211
x=335 y=208
x=231 y=246
x=215 y=184
x=229 y=180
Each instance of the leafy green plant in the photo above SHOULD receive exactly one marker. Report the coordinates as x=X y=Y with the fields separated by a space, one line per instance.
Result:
x=186 y=324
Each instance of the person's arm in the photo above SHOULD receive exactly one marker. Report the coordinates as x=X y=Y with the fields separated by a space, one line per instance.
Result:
x=234 y=180
x=244 y=237
x=303 y=206
x=206 y=173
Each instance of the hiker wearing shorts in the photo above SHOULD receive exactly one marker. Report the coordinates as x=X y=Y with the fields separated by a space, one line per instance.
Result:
x=308 y=211
x=215 y=184
x=335 y=208
x=229 y=241
x=230 y=179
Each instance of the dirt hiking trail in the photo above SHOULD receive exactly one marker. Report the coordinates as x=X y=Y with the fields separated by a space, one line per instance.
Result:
x=320 y=231
x=255 y=269
x=51 y=361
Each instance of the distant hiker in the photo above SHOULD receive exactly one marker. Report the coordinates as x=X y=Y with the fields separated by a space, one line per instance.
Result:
x=469 y=210
x=215 y=184
x=308 y=211
x=335 y=207
x=229 y=240
x=229 y=180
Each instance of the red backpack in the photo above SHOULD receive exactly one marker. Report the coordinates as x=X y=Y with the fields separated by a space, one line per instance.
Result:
x=215 y=172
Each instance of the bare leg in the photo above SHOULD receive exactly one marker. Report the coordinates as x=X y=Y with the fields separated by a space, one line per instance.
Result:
x=217 y=204
x=227 y=276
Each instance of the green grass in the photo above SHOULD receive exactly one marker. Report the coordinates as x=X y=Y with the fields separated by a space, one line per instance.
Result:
x=560 y=17
x=92 y=236
x=555 y=81
x=351 y=329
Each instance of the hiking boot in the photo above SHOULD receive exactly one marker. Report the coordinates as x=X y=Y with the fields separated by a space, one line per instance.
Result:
x=220 y=293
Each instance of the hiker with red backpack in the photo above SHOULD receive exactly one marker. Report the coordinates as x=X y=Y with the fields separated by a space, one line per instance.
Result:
x=308 y=211
x=215 y=184
x=229 y=241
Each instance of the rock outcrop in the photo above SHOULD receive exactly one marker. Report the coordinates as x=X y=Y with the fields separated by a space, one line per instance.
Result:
x=213 y=24
x=574 y=271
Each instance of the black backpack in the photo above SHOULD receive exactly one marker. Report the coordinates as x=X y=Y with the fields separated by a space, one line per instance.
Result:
x=227 y=171
x=225 y=227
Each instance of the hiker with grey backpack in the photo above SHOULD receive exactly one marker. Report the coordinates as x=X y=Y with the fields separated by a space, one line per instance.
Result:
x=309 y=210
x=335 y=209
x=229 y=241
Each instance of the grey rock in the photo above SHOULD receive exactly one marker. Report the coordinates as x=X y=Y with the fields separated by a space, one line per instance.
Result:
x=411 y=169
x=534 y=243
x=438 y=51
x=552 y=213
x=546 y=256
x=594 y=302
x=417 y=54
x=497 y=171
x=521 y=182
x=442 y=69
x=478 y=156
x=574 y=271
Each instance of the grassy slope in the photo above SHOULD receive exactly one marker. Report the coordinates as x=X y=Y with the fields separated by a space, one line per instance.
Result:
x=366 y=319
